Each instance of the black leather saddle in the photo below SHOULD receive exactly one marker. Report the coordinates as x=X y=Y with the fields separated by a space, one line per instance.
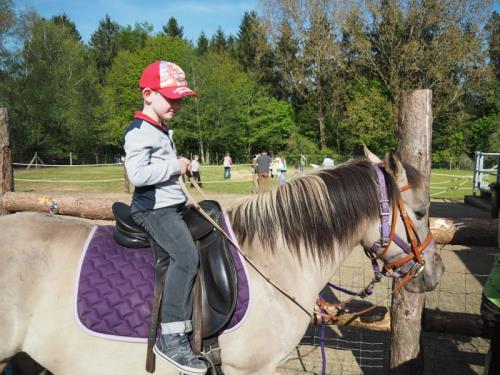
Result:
x=217 y=274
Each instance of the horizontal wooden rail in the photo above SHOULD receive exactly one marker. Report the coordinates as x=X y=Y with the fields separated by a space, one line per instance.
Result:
x=379 y=319
x=95 y=208
x=466 y=231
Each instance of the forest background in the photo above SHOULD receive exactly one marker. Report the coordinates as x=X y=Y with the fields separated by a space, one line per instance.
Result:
x=313 y=77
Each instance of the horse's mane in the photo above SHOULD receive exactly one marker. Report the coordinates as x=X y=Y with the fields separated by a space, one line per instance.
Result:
x=316 y=210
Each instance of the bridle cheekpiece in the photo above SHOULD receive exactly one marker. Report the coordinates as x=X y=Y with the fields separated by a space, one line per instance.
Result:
x=412 y=263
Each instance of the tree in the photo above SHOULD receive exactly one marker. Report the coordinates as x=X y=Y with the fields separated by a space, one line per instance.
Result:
x=419 y=45
x=133 y=39
x=172 y=29
x=104 y=45
x=202 y=44
x=286 y=51
x=65 y=23
x=56 y=92
x=7 y=21
x=218 y=43
x=493 y=36
x=232 y=46
x=271 y=125
x=316 y=71
x=253 y=50
x=368 y=118
x=217 y=120
x=247 y=41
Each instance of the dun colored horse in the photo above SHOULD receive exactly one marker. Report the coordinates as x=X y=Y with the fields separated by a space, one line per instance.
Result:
x=299 y=234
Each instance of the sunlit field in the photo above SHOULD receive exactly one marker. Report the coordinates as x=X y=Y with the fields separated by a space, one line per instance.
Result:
x=445 y=184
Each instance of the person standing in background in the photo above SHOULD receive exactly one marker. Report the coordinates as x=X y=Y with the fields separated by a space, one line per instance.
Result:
x=228 y=162
x=275 y=167
x=282 y=177
x=328 y=162
x=303 y=161
x=283 y=163
x=255 y=184
x=263 y=164
x=195 y=170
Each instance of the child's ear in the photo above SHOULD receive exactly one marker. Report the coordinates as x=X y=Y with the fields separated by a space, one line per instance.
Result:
x=146 y=95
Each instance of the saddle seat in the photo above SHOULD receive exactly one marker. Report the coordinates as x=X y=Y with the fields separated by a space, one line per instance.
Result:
x=217 y=274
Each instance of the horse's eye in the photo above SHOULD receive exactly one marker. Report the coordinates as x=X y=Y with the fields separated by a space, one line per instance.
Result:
x=420 y=214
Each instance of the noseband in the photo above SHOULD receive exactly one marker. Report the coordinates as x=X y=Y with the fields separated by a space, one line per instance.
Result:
x=410 y=264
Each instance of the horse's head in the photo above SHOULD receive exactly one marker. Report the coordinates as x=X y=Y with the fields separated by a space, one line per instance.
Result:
x=403 y=240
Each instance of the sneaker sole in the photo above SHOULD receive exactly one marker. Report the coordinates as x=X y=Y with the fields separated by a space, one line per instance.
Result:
x=183 y=369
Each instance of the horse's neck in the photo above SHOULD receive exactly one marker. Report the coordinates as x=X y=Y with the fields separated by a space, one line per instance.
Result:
x=303 y=279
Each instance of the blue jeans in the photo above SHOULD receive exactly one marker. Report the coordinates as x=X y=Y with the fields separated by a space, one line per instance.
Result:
x=227 y=172
x=167 y=227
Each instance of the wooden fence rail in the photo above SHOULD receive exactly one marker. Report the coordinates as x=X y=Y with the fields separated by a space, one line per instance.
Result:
x=445 y=231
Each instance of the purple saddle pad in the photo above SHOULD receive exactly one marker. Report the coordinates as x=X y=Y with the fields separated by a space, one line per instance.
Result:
x=115 y=289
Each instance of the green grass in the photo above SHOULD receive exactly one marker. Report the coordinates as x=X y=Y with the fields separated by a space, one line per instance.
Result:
x=452 y=185
x=59 y=179
x=445 y=184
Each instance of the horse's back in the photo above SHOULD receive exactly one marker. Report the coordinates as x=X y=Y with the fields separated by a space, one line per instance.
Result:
x=36 y=252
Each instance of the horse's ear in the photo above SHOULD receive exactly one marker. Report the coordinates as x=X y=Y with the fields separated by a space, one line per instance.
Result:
x=394 y=167
x=371 y=156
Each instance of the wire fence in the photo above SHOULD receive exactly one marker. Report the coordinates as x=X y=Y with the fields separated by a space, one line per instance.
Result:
x=463 y=162
x=357 y=351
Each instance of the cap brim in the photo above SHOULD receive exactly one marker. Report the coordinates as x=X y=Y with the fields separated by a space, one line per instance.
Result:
x=176 y=92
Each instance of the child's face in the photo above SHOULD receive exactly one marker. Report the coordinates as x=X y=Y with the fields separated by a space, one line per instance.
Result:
x=164 y=108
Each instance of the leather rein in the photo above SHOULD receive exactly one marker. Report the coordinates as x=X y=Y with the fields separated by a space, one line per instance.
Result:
x=236 y=246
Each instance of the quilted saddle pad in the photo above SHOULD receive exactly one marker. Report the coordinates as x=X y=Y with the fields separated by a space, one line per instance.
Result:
x=115 y=288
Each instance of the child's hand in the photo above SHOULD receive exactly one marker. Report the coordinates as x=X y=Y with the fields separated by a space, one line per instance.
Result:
x=185 y=164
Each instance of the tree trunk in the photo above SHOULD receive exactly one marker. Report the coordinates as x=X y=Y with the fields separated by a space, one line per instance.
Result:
x=97 y=209
x=6 y=172
x=202 y=150
x=321 y=122
x=415 y=137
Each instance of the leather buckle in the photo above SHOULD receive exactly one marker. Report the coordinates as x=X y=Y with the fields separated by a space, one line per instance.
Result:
x=416 y=269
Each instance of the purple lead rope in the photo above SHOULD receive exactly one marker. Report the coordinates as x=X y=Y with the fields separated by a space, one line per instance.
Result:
x=322 y=340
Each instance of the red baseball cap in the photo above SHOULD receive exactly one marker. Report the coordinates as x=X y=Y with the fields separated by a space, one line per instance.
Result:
x=167 y=78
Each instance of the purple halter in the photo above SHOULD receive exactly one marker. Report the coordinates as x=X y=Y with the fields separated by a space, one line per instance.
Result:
x=385 y=232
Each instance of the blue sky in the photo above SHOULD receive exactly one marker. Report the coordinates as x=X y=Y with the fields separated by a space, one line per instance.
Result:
x=194 y=15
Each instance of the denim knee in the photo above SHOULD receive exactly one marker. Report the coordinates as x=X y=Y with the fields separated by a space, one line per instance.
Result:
x=188 y=262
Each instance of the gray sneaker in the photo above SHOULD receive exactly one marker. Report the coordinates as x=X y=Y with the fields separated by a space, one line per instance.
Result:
x=175 y=349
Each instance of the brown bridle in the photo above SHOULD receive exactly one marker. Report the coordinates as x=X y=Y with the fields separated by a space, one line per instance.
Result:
x=405 y=269
x=417 y=247
x=413 y=260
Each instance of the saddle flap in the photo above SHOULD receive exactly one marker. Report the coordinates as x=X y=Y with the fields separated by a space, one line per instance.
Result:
x=219 y=286
x=197 y=224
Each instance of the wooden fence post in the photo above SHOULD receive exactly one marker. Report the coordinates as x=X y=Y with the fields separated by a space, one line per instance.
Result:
x=6 y=173
x=414 y=139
